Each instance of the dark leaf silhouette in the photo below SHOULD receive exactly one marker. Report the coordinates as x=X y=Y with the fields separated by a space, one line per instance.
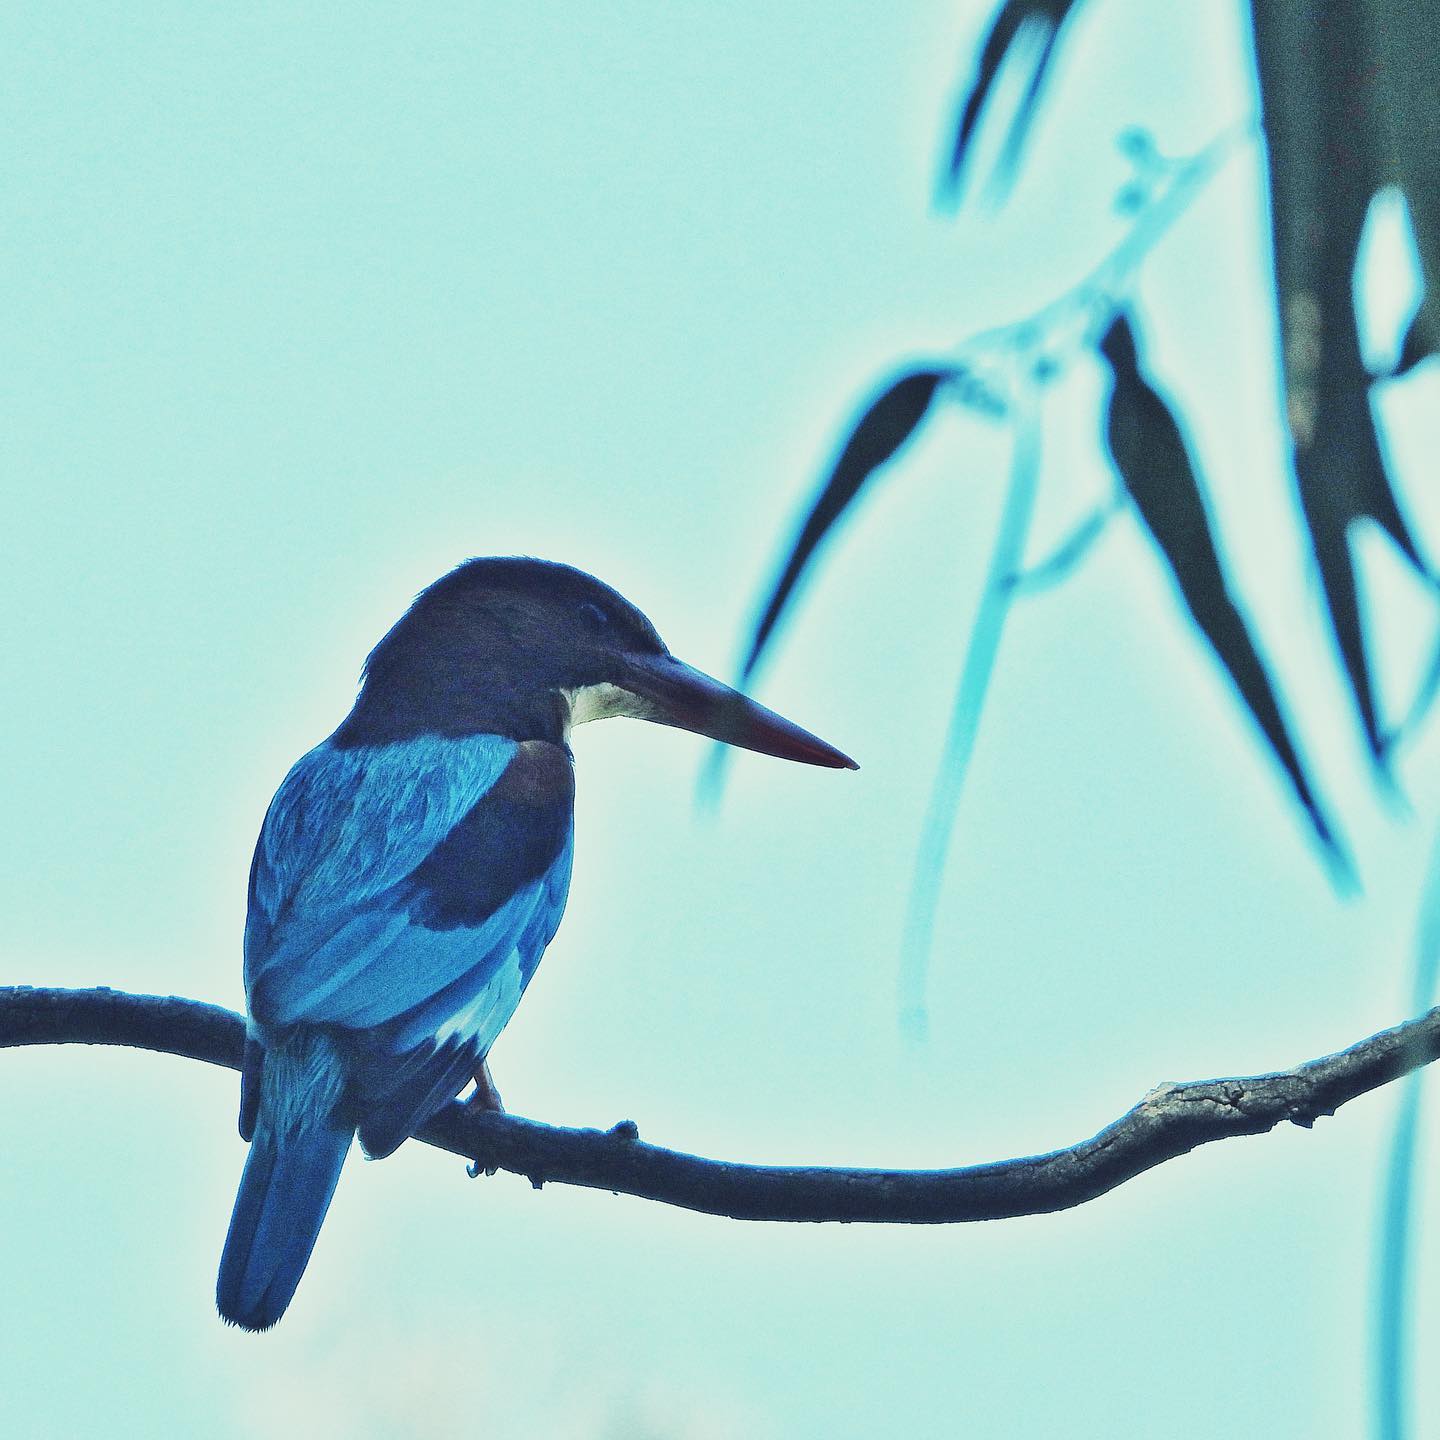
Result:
x=886 y=423
x=1015 y=17
x=1316 y=79
x=1349 y=92
x=1154 y=464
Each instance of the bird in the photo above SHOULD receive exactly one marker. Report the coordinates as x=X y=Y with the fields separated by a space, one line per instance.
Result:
x=411 y=870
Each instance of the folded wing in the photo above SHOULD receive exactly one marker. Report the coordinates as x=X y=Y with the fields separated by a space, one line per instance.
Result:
x=402 y=896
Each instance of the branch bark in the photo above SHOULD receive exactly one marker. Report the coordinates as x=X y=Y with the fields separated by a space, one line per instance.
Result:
x=1168 y=1122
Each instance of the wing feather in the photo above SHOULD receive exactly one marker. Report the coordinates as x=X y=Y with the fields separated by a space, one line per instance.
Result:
x=403 y=895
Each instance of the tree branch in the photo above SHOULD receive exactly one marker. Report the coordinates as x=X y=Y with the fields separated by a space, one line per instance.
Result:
x=1168 y=1122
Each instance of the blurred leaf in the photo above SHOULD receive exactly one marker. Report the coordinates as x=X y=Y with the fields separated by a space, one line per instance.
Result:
x=1403 y=42
x=1420 y=343
x=1151 y=457
x=1351 y=97
x=886 y=423
x=1420 y=704
x=1317 y=83
x=964 y=728
x=1042 y=17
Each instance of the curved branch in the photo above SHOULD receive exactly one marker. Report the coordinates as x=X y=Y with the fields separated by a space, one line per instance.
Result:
x=1170 y=1121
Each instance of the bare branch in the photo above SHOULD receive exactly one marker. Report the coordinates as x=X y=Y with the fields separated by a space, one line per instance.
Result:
x=1168 y=1122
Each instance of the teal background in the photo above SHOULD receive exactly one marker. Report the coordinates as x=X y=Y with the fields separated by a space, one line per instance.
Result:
x=305 y=304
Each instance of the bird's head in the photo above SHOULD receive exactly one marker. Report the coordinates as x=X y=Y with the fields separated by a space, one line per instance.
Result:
x=528 y=648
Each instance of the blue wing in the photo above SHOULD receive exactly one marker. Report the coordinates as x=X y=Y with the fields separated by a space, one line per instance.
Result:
x=403 y=895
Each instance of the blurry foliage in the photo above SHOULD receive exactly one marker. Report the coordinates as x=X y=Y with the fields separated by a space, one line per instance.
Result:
x=886 y=423
x=1323 y=87
x=1350 y=105
x=1001 y=375
x=1031 y=23
x=1159 y=474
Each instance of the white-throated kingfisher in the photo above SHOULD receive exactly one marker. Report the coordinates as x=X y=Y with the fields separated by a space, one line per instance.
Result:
x=412 y=869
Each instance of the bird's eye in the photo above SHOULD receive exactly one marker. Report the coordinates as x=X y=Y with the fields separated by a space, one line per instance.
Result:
x=594 y=618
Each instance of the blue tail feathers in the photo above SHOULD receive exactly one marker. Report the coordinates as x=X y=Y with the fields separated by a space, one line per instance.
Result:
x=299 y=1147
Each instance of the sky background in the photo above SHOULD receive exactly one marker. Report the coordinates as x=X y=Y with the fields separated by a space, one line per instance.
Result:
x=307 y=303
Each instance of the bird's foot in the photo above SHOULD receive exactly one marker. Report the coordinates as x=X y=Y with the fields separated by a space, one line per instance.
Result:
x=486 y=1097
x=485 y=1101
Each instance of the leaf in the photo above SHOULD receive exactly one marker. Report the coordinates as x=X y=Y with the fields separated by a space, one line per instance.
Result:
x=1317 y=84
x=1015 y=16
x=1404 y=117
x=1419 y=344
x=886 y=423
x=1156 y=469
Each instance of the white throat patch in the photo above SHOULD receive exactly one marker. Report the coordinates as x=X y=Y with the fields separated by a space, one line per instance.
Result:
x=604 y=702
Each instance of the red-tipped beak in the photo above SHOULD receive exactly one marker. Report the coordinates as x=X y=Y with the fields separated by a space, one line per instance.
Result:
x=691 y=700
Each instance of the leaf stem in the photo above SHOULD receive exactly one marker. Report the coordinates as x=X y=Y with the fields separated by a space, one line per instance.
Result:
x=949 y=783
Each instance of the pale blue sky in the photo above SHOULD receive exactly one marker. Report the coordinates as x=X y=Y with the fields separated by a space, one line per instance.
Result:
x=308 y=303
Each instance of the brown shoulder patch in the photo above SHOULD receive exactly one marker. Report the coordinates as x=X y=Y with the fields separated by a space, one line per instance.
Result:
x=540 y=774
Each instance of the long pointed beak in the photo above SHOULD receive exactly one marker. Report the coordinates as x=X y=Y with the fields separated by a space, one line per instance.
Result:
x=689 y=699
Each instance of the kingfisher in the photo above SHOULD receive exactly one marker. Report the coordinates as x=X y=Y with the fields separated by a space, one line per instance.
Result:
x=411 y=870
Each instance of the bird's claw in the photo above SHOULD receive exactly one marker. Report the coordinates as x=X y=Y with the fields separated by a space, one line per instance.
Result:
x=486 y=1098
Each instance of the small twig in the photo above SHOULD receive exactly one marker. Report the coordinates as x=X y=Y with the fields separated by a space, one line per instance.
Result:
x=1061 y=562
x=1170 y=1121
x=1394 y=1303
x=964 y=729
x=1070 y=324
x=1420 y=704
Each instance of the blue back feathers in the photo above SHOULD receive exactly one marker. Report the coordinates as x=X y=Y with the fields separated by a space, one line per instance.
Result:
x=401 y=896
x=346 y=825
